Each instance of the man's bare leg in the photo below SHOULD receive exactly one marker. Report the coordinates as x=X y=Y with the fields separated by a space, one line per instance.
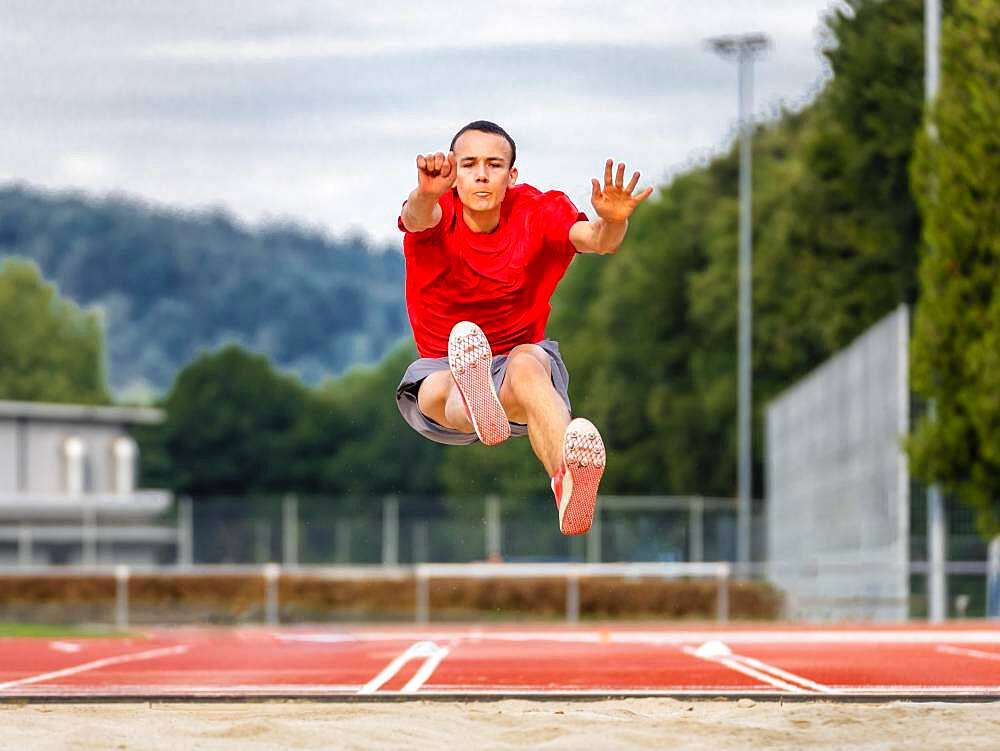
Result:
x=571 y=451
x=439 y=399
x=528 y=396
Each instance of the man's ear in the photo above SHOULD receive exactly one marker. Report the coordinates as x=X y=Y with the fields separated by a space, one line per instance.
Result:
x=513 y=175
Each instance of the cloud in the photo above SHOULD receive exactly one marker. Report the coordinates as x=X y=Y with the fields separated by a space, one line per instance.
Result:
x=316 y=110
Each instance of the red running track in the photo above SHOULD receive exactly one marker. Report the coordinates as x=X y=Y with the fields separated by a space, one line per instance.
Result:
x=957 y=661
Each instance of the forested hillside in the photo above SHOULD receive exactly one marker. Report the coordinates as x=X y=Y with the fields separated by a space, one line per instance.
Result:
x=171 y=284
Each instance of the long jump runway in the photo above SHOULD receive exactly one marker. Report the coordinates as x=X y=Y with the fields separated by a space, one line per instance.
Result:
x=364 y=663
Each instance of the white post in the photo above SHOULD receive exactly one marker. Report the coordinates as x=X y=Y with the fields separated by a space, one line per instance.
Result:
x=125 y=453
x=74 y=453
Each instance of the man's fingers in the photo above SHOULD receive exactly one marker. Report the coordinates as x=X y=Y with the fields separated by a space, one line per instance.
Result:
x=595 y=191
x=607 y=173
x=632 y=183
x=620 y=175
x=644 y=195
x=421 y=162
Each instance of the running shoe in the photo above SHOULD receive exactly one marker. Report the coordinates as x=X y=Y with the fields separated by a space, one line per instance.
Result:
x=575 y=484
x=470 y=359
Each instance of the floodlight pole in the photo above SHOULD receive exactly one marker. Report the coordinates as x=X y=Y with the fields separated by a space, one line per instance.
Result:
x=744 y=49
x=937 y=529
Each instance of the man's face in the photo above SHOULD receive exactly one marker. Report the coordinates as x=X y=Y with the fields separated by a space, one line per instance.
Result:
x=484 y=171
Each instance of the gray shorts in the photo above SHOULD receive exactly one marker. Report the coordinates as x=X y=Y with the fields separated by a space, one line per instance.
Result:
x=406 y=394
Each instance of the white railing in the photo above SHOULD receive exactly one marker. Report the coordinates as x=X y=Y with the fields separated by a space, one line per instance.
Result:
x=422 y=574
x=572 y=573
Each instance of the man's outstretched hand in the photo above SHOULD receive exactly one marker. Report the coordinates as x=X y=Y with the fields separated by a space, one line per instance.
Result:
x=615 y=202
x=436 y=173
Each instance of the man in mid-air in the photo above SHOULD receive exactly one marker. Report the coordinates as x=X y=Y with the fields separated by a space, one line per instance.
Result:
x=483 y=257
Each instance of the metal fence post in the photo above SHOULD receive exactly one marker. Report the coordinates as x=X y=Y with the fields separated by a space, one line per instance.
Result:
x=272 y=573
x=342 y=541
x=572 y=598
x=390 y=531
x=423 y=596
x=722 y=602
x=594 y=552
x=290 y=530
x=937 y=554
x=25 y=554
x=185 y=532
x=696 y=530
x=493 y=528
x=121 y=597
x=421 y=534
x=89 y=535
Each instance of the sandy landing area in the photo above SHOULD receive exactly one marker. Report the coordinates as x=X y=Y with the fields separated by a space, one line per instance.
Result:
x=509 y=724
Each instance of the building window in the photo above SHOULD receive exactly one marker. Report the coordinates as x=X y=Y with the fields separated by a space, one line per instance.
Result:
x=75 y=457
x=126 y=452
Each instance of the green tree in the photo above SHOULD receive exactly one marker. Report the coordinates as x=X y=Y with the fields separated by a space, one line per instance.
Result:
x=51 y=349
x=956 y=345
x=230 y=427
x=378 y=452
x=856 y=214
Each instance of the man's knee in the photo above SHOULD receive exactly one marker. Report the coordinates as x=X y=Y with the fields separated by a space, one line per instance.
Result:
x=432 y=396
x=528 y=371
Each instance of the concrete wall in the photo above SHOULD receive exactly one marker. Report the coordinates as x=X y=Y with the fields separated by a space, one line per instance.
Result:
x=838 y=486
x=8 y=456
x=44 y=465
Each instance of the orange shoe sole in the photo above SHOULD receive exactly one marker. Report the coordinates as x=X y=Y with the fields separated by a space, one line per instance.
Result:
x=584 y=460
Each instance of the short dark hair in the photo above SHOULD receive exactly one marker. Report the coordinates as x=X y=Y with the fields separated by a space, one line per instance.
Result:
x=485 y=126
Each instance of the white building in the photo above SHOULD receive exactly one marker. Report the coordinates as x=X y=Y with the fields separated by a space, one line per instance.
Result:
x=68 y=487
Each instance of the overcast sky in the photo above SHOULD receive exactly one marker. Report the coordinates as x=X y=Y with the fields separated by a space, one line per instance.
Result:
x=315 y=110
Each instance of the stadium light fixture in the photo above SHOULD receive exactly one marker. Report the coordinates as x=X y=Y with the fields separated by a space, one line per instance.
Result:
x=744 y=49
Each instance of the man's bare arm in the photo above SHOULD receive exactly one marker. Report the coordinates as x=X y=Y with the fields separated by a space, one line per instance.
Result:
x=435 y=175
x=614 y=204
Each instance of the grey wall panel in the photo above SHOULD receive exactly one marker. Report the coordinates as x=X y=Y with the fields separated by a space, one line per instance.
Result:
x=8 y=456
x=837 y=483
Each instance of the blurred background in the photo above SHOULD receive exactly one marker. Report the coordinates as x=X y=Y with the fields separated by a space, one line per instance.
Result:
x=202 y=320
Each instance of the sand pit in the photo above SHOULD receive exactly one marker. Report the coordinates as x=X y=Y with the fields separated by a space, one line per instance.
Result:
x=719 y=725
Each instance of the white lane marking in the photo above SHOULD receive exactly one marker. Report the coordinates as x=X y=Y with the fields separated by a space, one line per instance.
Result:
x=978 y=654
x=672 y=637
x=786 y=675
x=149 y=654
x=425 y=649
x=64 y=646
x=425 y=671
x=719 y=652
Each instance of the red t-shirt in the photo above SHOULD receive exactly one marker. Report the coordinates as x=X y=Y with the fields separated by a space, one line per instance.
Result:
x=502 y=281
